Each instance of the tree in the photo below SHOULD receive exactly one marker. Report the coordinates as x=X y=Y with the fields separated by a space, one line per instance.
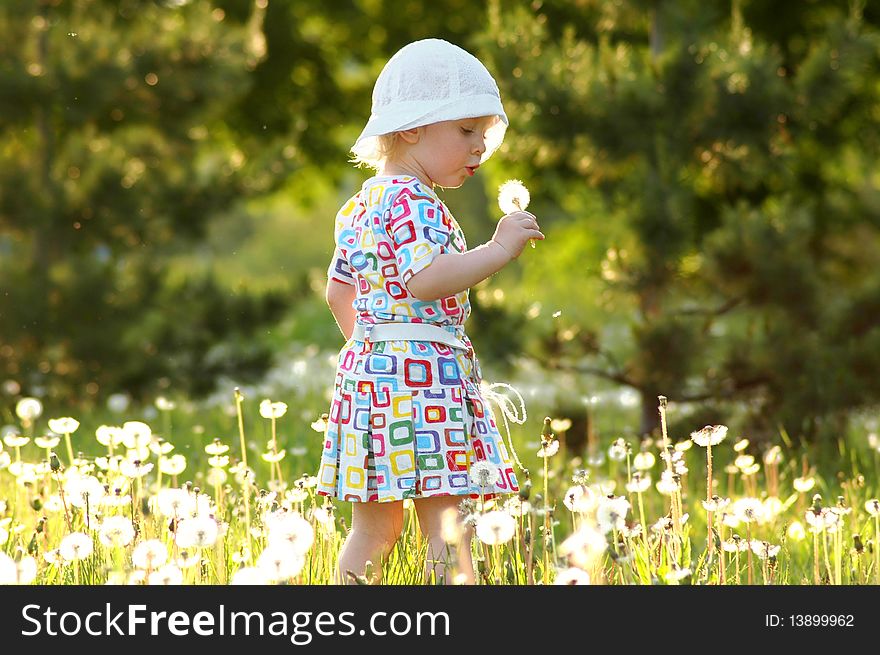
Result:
x=115 y=155
x=694 y=164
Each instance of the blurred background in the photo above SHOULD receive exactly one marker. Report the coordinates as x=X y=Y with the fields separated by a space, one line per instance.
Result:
x=706 y=174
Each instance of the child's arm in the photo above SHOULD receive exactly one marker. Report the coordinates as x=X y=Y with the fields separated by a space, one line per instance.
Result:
x=339 y=297
x=452 y=273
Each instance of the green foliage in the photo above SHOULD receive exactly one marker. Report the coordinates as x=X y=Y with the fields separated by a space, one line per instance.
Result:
x=721 y=174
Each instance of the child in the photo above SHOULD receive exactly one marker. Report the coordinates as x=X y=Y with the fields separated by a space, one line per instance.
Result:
x=407 y=418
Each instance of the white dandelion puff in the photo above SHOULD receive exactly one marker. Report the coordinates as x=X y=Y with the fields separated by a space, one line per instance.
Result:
x=513 y=196
x=640 y=483
x=483 y=474
x=76 y=546
x=290 y=528
x=804 y=484
x=279 y=561
x=548 y=449
x=796 y=531
x=644 y=461
x=495 y=527
x=149 y=554
x=136 y=434
x=29 y=409
x=65 y=425
x=617 y=450
x=116 y=531
x=611 y=513
x=84 y=490
x=174 y=465
x=198 y=532
x=268 y=409
x=177 y=503
x=584 y=547
x=711 y=435
x=166 y=575
x=250 y=575
x=580 y=499
x=572 y=576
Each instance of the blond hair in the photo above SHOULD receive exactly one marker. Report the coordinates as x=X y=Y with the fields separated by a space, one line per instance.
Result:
x=385 y=147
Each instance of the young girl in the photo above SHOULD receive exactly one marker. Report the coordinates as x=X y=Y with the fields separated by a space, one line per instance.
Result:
x=407 y=419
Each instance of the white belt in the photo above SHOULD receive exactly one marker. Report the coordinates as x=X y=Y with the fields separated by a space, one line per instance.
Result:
x=407 y=332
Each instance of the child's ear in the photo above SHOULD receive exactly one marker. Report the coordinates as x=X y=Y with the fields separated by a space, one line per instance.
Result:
x=411 y=135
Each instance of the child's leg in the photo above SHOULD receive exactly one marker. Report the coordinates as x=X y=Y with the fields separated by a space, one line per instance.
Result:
x=374 y=529
x=444 y=560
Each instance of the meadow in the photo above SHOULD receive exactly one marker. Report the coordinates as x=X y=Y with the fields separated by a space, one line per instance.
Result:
x=222 y=492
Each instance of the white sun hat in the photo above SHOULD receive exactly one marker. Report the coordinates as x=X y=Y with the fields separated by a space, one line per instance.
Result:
x=426 y=82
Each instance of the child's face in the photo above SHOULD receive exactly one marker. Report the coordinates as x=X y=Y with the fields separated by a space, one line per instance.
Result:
x=449 y=152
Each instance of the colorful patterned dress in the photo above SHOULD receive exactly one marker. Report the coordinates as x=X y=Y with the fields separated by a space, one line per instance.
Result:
x=407 y=419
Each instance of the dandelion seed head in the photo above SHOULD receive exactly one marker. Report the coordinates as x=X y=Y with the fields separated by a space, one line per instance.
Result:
x=291 y=528
x=75 y=546
x=163 y=404
x=168 y=574
x=196 y=532
x=135 y=468
x=796 y=531
x=683 y=446
x=872 y=506
x=136 y=434
x=548 y=449
x=116 y=531
x=216 y=477
x=15 y=439
x=250 y=575
x=495 y=527
x=65 y=425
x=676 y=575
x=668 y=484
x=483 y=474
x=268 y=409
x=584 y=547
x=84 y=490
x=177 y=503
x=571 y=576
x=29 y=409
x=513 y=196
x=804 y=484
x=773 y=455
x=644 y=461
x=580 y=498
x=710 y=435
x=174 y=465
x=279 y=561
x=617 y=450
x=639 y=483
x=611 y=513
x=149 y=554
x=47 y=441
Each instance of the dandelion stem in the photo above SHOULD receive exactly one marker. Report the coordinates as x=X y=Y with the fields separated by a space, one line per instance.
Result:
x=749 y=537
x=709 y=539
x=246 y=484
x=69 y=449
x=877 y=549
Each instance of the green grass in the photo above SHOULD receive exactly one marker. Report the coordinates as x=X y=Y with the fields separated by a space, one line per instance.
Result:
x=549 y=539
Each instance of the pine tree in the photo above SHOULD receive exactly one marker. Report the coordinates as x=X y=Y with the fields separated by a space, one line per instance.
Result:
x=690 y=166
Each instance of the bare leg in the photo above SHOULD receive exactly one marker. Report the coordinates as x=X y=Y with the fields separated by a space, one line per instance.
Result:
x=374 y=529
x=444 y=560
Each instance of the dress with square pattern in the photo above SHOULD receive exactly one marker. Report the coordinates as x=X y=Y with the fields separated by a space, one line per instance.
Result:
x=407 y=418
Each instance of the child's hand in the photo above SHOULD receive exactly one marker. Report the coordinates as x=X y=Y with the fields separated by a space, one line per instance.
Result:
x=515 y=230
